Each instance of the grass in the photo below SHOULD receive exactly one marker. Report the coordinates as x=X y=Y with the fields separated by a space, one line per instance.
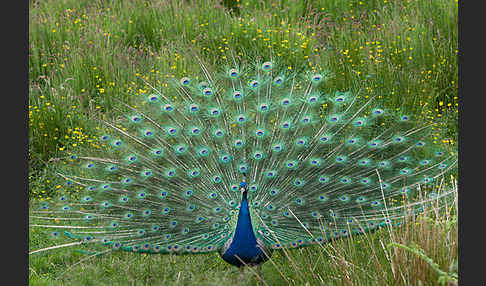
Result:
x=86 y=57
x=423 y=251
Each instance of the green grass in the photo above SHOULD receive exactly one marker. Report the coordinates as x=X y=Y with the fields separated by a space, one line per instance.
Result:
x=424 y=251
x=86 y=57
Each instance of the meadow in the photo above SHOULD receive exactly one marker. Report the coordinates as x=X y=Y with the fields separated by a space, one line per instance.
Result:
x=88 y=57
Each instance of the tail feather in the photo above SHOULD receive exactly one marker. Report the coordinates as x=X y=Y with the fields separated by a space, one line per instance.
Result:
x=165 y=178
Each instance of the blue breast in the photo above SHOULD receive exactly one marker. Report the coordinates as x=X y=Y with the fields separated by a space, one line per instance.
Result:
x=244 y=244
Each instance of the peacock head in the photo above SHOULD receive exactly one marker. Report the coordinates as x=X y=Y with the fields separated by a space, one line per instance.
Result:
x=244 y=190
x=243 y=186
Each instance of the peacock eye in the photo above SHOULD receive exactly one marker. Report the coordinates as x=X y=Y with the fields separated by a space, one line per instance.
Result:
x=185 y=81
x=207 y=91
x=233 y=73
x=237 y=95
x=316 y=78
x=267 y=66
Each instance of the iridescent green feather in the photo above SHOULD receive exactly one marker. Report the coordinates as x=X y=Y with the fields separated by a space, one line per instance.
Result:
x=320 y=164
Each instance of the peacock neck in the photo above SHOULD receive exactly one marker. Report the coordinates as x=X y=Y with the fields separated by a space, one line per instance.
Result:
x=244 y=234
x=244 y=246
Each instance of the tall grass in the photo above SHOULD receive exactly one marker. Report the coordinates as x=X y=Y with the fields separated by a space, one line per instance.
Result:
x=85 y=57
x=422 y=251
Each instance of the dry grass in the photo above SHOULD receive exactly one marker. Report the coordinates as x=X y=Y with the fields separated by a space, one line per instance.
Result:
x=423 y=251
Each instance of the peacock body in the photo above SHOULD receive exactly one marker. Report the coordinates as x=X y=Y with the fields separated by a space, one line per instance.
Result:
x=244 y=162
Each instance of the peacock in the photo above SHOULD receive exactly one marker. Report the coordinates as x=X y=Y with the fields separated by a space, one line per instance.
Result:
x=244 y=161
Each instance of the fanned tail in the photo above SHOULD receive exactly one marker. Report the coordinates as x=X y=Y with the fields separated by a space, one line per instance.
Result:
x=320 y=164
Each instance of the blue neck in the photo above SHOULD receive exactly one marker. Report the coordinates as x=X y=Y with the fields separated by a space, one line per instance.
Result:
x=244 y=236
x=244 y=243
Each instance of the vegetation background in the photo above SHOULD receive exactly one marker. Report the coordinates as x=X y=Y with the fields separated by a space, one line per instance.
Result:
x=87 y=57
